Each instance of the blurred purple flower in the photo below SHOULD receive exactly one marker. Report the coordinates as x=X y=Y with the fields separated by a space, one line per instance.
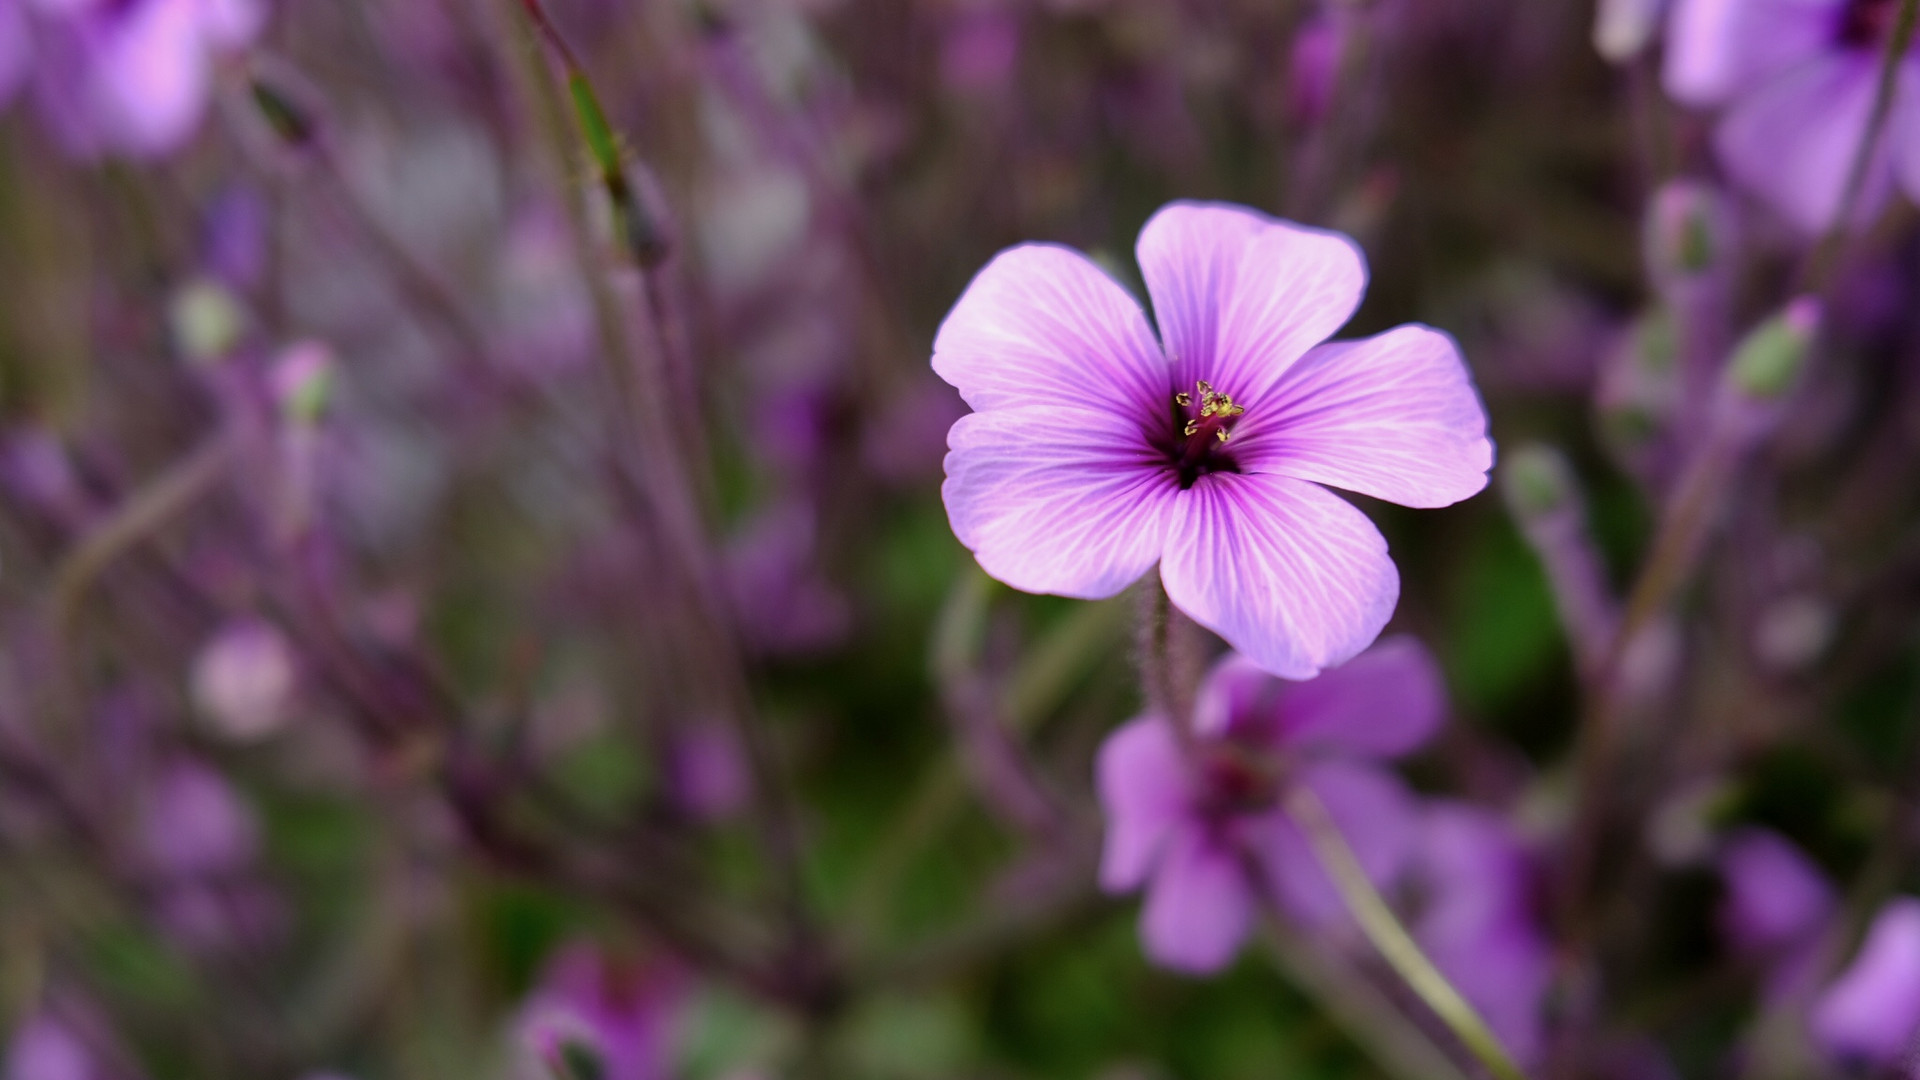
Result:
x=1872 y=1012
x=131 y=76
x=979 y=48
x=1319 y=46
x=16 y=50
x=1775 y=895
x=1479 y=925
x=783 y=604
x=1799 y=79
x=619 y=1015
x=1095 y=452
x=44 y=1049
x=193 y=824
x=243 y=679
x=707 y=773
x=1199 y=833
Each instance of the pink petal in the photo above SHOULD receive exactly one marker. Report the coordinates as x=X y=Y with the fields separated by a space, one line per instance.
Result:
x=1042 y=327
x=1872 y=1011
x=1057 y=500
x=1287 y=572
x=155 y=76
x=1393 y=416
x=1385 y=702
x=1793 y=142
x=1716 y=48
x=230 y=24
x=1199 y=906
x=1373 y=810
x=1240 y=296
x=1145 y=790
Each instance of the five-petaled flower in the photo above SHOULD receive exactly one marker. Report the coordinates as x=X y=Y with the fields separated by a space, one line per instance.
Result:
x=1800 y=79
x=1096 y=449
x=1203 y=827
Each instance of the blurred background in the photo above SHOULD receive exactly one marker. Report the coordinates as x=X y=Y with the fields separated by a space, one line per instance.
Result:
x=475 y=599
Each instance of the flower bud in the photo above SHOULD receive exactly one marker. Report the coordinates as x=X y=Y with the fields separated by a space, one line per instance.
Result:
x=206 y=321
x=1688 y=231
x=303 y=381
x=283 y=111
x=1536 y=481
x=1767 y=363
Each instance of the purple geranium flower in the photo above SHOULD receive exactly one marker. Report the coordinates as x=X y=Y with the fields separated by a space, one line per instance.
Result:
x=1204 y=831
x=1799 y=78
x=1097 y=449
x=1479 y=924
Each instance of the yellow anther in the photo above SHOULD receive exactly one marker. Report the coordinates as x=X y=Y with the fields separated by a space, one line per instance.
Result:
x=1209 y=408
x=1192 y=426
x=1223 y=433
x=1206 y=389
x=1233 y=410
x=1183 y=399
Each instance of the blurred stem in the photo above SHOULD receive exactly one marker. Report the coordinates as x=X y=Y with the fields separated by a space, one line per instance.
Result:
x=1825 y=258
x=142 y=515
x=1375 y=1024
x=1391 y=938
x=1050 y=670
x=1677 y=544
x=996 y=760
x=708 y=661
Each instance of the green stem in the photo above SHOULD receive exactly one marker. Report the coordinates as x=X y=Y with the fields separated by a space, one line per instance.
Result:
x=1391 y=938
x=1820 y=266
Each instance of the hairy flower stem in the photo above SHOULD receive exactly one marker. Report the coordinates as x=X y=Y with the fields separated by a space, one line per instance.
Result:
x=1820 y=266
x=1390 y=936
x=1169 y=661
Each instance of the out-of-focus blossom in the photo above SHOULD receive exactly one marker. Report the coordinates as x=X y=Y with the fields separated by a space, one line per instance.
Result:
x=206 y=320
x=1799 y=79
x=980 y=47
x=1479 y=923
x=1775 y=894
x=1205 y=834
x=1871 y=1013
x=128 y=76
x=1622 y=29
x=243 y=679
x=233 y=242
x=193 y=824
x=1097 y=450
x=784 y=605
x=707 y=773
x=1314 y=70
x=597 y=1016
x=42 y=1048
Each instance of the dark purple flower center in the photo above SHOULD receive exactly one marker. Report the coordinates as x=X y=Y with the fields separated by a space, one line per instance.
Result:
x=1202 y=423
x=1866 y=24
x=1236 y=779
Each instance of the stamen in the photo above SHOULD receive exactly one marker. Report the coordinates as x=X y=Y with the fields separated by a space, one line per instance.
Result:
x=1192 y=426
x=1183 y=399
x=1223 y=433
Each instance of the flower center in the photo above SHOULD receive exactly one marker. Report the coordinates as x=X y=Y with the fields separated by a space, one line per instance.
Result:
x=1202 y=423
x=1236 y=779
x=1866 y=24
